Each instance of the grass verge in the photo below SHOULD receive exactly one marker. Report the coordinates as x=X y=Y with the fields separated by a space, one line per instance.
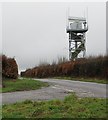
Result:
x=70 y=107
x=22 y=85
x=95 y=80
x=0 y=90
x=0 y=112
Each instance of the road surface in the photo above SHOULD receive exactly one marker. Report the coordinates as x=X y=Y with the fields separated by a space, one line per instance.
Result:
x=58 y=89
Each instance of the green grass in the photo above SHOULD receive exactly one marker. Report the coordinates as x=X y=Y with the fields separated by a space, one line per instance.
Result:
x=0 y=90
x=70 y=107
x=22 y=85
x=0 y=112
x=95 y=80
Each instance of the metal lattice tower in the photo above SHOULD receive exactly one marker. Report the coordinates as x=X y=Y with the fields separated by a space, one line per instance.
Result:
x=77 y=27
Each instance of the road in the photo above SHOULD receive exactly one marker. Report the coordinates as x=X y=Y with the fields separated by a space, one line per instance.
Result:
x=58 y=89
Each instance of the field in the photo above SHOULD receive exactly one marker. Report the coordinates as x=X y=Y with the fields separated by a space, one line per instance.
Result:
x=22 y=85
x=70 y=107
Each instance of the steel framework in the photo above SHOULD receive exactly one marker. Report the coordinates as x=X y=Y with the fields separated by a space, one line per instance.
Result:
x=76 y=28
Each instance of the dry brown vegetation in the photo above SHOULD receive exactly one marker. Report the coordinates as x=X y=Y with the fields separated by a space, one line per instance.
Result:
x=88 y=67
x=0 y=71
x=9 y=67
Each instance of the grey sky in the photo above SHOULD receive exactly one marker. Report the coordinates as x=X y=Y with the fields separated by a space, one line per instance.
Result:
x=34 y=32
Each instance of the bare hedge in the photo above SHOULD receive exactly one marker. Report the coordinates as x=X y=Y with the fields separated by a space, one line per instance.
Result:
x=9 y=67
x=88 y=67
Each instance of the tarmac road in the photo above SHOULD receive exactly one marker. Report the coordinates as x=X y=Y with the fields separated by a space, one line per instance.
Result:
x=58 y=89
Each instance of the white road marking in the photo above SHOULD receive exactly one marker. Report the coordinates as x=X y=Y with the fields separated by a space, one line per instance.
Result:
x=70 y=90
x=60 y=87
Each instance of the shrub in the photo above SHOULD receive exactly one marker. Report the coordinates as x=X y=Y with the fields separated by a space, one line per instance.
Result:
x=86 y=67
x=9 y=67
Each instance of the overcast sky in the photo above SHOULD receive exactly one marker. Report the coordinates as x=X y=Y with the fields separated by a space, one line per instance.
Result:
x=34 y=32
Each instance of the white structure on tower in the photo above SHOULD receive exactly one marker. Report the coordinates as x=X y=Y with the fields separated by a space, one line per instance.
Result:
x=76 y=28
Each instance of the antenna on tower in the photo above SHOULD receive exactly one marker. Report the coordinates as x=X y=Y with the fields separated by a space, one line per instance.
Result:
x=68 y=11
x=67 y=15
x=84 y=14
x=87 y=13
